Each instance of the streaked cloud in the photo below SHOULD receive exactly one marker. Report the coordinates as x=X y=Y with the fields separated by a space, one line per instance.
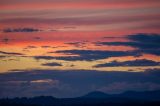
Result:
x=54 y=42
x=10 y=53
x=145 y=43
x=8 y=30
x=134 y=63
x=91 y=55
x=52 y=64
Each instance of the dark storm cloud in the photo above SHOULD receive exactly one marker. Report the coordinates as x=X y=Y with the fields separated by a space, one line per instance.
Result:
x=70 y=83
x=140 y=62
x=10 y=53
x=20 y=30
x=146 y=43
x=52 y=64
x=91 y=55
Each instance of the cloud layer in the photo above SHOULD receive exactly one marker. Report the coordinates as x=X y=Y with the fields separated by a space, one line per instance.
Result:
x=145 y=43
x=71 y=83
x=91 y=55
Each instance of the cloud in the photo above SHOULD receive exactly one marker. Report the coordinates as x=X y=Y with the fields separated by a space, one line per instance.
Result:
x=30 y=47
x=145 y=43
x=69 y=27
x=140 y=62
x=10 y=53
x=2 y=57
x=8 y=30
x=91 y=55
x=46 y=46
x=152 y=51
x=119 y=87
x=52 y=64
x=37 y=38
x=141 y=41
x=71 y=83
x=87 y=55
x=50 y=81
x=44 y=57
x=6 y=40
x=77 y=44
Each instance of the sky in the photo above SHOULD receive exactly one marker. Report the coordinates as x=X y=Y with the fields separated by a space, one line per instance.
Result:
x=67 y=48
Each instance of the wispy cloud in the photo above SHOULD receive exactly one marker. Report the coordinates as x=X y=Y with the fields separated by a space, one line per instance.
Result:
x=8 y=30
x=10 y=53
x=52 y=64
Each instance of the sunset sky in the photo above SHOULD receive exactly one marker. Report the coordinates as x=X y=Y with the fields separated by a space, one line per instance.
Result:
x=66 y=48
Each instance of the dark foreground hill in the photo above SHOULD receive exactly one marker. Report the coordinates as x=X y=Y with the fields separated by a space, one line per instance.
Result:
x=130 y=98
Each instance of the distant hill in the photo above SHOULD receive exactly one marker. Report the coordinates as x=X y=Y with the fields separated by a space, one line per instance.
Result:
x=96 y=98
x=96 y=94
x=145 y=95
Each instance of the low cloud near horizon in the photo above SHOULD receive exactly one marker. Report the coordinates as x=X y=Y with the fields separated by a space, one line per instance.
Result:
x=73 y=83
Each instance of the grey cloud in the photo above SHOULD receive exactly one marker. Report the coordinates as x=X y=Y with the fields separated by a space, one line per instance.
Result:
x=10 y=53
x=145 y=43
x=46 y=46
x=52 y=64
x=8 y=30
x=91 y=55
x=87 y=55
x=138 y=62
x=77 y=44
x=44 y=57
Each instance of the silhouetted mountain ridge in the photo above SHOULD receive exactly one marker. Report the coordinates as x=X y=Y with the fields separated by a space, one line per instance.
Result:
x=96 y=94
x=129 y=98
x=150 y=95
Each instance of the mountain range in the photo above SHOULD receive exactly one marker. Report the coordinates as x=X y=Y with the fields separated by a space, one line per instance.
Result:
x=96 y=98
